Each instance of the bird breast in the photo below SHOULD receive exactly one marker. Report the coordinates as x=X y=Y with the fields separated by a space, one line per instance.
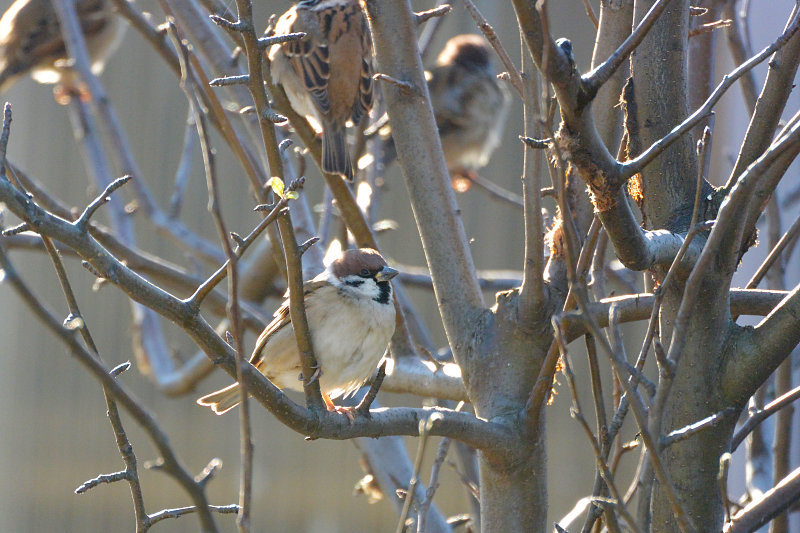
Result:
x=349 y=335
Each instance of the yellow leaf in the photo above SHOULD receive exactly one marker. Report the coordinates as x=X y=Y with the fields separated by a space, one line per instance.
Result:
x=277 y=185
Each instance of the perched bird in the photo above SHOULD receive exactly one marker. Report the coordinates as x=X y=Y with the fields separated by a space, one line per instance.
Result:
x=351 y=317
x=328 y=75
x=30 y=41
x=469 y=102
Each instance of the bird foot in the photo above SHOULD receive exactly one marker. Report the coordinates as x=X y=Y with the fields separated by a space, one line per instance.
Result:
x=65 y=92
x=461 y=179
x=349 y=412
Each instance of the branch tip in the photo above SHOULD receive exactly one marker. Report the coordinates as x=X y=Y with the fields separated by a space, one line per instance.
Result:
x=104 y=197
x=119 y=369
x=224 y=81
x=438 y=11
x=266 y=42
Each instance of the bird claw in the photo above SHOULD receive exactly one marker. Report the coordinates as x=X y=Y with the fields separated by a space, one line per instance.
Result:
x=315 y=376
x=349 y=412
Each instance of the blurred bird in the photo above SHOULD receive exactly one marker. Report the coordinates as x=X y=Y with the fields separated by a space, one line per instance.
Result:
x=469 y=102
x=351 y=317
x=328 y=75
x=30 y=41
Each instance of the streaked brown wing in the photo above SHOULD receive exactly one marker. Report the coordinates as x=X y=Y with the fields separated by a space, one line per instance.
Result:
x=309 y=58
x=365 y=87
x=282 y=319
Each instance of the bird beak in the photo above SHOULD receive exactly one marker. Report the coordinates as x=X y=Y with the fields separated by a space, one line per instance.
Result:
x=386 y=274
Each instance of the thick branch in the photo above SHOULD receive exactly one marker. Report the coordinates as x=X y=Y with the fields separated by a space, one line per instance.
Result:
x=762 y=349
x=401 y=421
x=771 y=504
x=420 y=155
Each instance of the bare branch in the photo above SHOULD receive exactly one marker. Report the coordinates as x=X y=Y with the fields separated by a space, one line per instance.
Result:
x=642 y=160
x=83 y=220
x=776 y=254
x=369 y=397
x=600 y=75
x=760 y=511
x=759 y=416
x=692 y=429
x=494 y=40
x=419 y=153
x=115 y=390
x=439 y=11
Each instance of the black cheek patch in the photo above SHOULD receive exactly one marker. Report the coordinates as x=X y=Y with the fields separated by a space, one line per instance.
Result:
x=385 y=292
x=354 y=282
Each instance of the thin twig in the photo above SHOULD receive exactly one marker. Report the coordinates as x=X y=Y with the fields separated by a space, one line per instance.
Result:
x=762 y=414
x=631 y=167
x=184 y=168
x=189 y=85
x=83 y=220
x=425 y=427
x=590 y=13
x=4 y=136
x=600 y=75
x=369 y=397
x=180 y=511
x=494 y=40
x=685 y=432
x=775 y=254
x=297 y=311
x=207 y=286
x=433 y=484
x=438 y=11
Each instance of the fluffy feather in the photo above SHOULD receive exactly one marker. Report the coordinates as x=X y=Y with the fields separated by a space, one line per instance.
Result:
x=469 y=102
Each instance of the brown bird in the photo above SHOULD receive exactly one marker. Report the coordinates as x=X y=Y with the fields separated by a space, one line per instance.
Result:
x=30 y=41
x=469 y=103
x=351 y=318
x=328 y=75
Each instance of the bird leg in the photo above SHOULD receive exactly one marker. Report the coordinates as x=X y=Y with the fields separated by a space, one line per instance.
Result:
x=346 y=411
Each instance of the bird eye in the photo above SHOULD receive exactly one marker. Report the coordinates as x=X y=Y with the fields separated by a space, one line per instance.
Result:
x=364 y=273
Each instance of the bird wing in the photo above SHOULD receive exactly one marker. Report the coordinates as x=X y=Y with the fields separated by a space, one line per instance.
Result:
x=281 y=319
x=449 y=98
x=364 y=102
x=309 y=57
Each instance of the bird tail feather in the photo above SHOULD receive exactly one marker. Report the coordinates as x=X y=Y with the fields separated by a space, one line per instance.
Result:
x=335 y=155
x=222 y=400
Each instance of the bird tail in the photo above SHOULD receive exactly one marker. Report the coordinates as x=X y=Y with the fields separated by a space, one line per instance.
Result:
x=335 y=155
x=222 y=400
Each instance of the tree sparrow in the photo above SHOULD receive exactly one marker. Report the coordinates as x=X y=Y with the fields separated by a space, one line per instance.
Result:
x=328 y=75
x=351 y=317
x=30 y=40
x=469 y=102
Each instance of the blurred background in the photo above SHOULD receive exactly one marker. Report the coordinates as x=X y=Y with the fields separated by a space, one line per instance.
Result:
x=53 y=430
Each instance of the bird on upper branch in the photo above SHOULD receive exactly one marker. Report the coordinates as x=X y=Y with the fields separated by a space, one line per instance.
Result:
x=327 y=75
